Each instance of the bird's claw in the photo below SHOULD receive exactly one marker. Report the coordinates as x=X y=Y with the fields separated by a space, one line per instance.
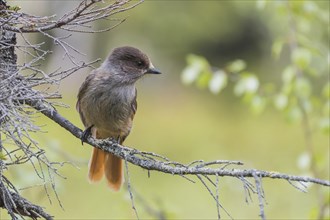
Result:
x=86 y=133
x=114 y=140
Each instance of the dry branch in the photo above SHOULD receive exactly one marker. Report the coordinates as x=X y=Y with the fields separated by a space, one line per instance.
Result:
x=163 y=164
x=18 y=80
x=152 y=161
x=15 y=203
x=76 y=20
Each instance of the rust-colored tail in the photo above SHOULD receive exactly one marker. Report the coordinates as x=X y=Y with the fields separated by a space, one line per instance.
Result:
x=106 y=163
x=113 y=170
x=96 y=165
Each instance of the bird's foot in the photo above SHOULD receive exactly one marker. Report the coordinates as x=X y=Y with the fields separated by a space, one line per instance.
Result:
x=86 y=134
x=116 y=140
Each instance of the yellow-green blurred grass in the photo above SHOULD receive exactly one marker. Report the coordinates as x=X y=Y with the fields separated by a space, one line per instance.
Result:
x=183 y=127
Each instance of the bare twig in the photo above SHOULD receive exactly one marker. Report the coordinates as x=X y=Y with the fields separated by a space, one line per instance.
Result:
x=18 y=80
x=15 y=204
x=86 y=12
x=261 y=196
x=130 y=190
x=217 y=195
x=155 y=213
x=300 y=73
x=218 y=205
x=152 y=161
x=129 y=154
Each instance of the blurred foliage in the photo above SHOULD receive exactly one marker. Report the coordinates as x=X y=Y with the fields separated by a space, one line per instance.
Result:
x=305 y=42
x=302 y=95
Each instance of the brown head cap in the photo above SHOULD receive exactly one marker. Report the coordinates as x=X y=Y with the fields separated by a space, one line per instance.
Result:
x=130 y=62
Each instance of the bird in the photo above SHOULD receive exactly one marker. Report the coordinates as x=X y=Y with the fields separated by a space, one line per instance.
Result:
x=107 y=103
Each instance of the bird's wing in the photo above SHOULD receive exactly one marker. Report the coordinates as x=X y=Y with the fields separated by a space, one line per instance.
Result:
x=82 y=90
x=134 y=105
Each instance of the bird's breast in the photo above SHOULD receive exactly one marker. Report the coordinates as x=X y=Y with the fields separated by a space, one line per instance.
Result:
x=112 y=110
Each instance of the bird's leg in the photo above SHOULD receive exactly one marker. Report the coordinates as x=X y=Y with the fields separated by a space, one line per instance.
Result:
x=116 y=140
x=87 y=132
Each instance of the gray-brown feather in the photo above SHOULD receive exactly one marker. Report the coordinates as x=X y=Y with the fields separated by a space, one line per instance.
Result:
x=107 y=105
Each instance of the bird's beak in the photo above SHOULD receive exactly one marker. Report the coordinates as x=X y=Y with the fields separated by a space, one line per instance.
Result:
x=152 y=70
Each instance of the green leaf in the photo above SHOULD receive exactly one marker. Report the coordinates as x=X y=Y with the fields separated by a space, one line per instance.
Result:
x=239 y=88
x=301 y=57
x=248 y=83
x=294 y=114
x=326 y=90
x=306 y=105
x=310 y=7
x=258 y=104
x=313 y=72
x=288 y=74
x=218 y=81
x=192 y=58
x=269 y=88
x=190 y=74
x=304 y=25
x=314 y=212
x=326 y=108
x=281 y=8
x=281 y=101
x=236 y=66
x=287 y=89
x=324 y=16
x=203 y=79
x=325 y=125
x=251 y=83
x=303 y=87
x=304 y=161
x=196 y=65
x=277 y=48
x=261 y=4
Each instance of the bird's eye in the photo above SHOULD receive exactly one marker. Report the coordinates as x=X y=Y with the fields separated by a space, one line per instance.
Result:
x=140 y=63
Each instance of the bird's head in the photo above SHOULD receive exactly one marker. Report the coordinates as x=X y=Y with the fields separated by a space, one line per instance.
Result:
x=129 y=64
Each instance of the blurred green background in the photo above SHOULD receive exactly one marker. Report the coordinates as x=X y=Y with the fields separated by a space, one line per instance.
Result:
x=180 y=122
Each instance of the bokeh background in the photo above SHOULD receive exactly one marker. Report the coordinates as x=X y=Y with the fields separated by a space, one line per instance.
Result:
x=180 y=122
